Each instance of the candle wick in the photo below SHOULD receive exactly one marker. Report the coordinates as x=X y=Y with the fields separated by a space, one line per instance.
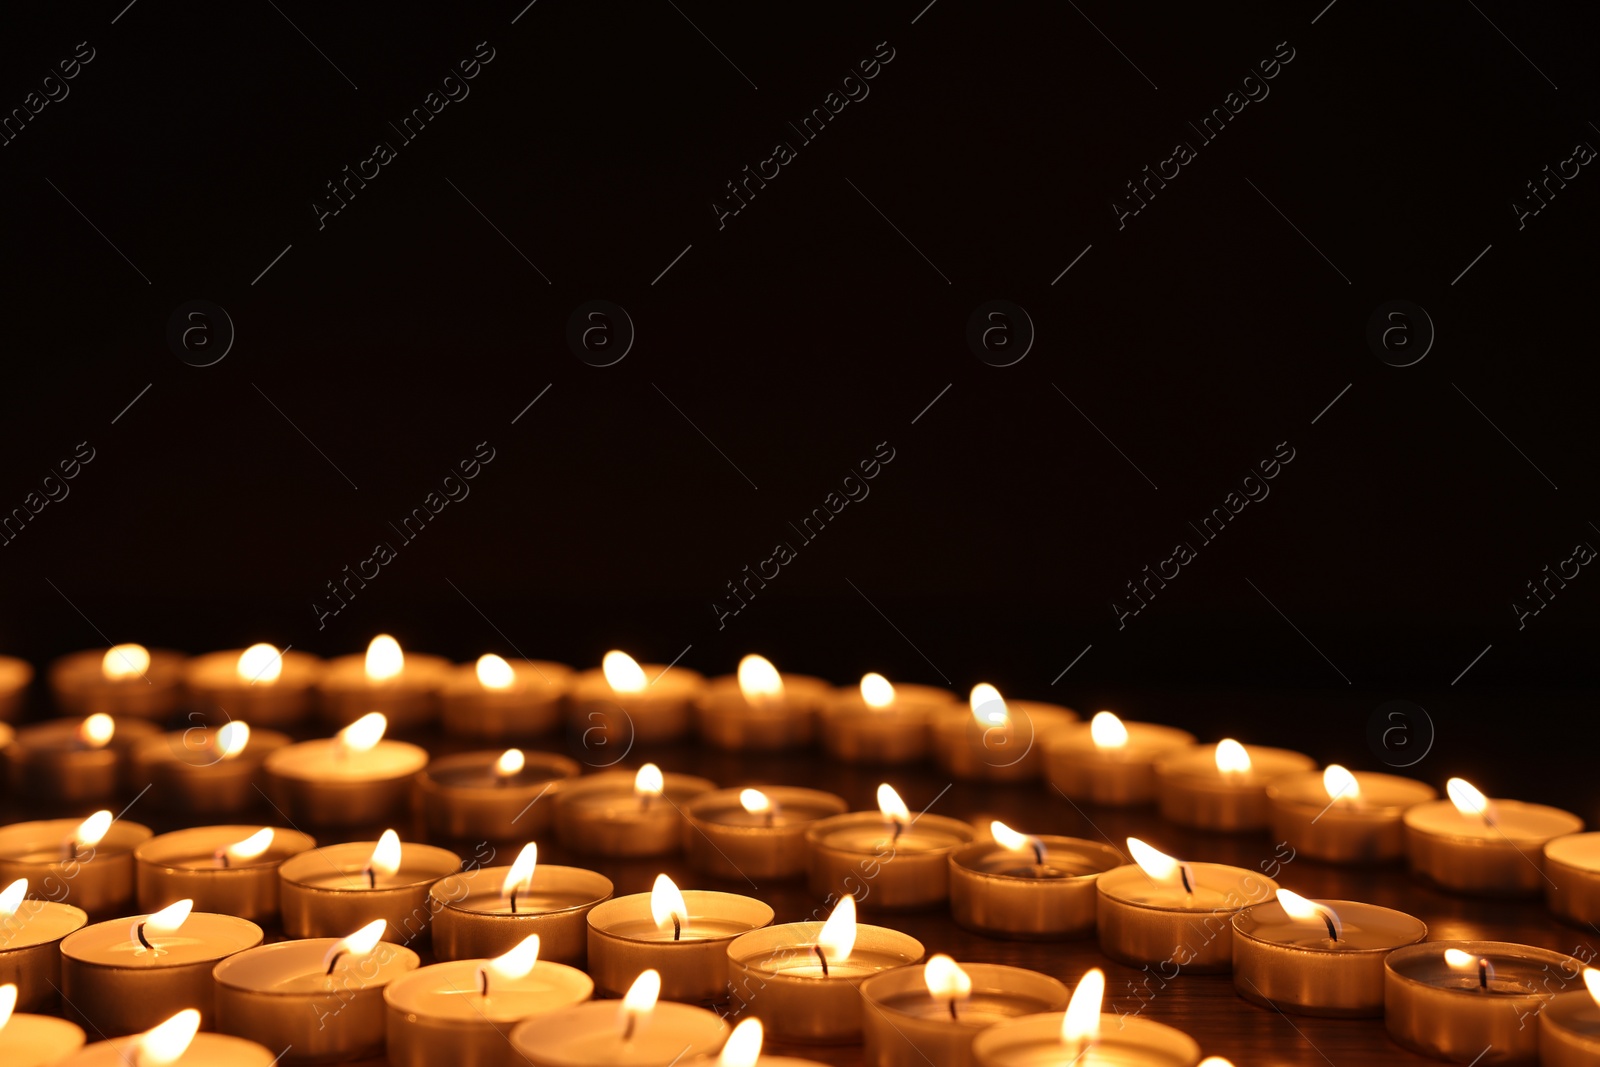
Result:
x=899 y=828
x=1483 y=974
x=818 y=950
x=771 y=814
x=483 y=981
x=139 y=932
x=644 y=801
x=513 y=900
x=69 y=849
x=372 y=878
x=222 y=856
x=1333 y=931
x=953 y=1008
x=1183 y=873
x=334 y=961
x=677 y=928
x=627 y=1029
x=1038 y=853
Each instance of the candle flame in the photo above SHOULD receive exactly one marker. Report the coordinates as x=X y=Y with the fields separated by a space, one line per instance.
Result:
x=667 y=906
x=168 y=919
x=623 y=673
x=510 y=763
x=232 y=738
x=1160 y=867
x=385 y=660
x=97 y=729
x=894 y=809
x=8 y=1002
x=125 y=661
x=1216 y=1061
x=759 y=680
x=1107 y=731
x=754 y=801
x=1232 y=757
x=945 y=978
x=363 y=734
x=520 y=878
x=1591 y=978
x=1340 y=784
x=259 y=663
x=1007 y=838
x=876 y=690
x=252 y=846
x=1468 y=799
x=743 y=1047
x=168 y=1042
x=386 y=854
x=838 y=935
x=517 y=963
x=1298 y=907
x=358 y=945
x=11 y=898
x=1080 y=1025
x=494 y=672
x=1466 y=961
x=988 y=707
x=92 y=829
x=640 y=1000
x=649 y=782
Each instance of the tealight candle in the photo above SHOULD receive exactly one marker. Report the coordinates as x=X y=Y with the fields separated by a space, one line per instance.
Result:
x=404 y=686
x=754 y=833
x=1158 y=909
x=759 y=708
x=1569 y=1028
x=1460 y=1000
x=881 y=722
x=1573 y=889
x=88 y=864
x=1223 y=788
x=625 y=702
x=123 y=680
x=75 y=761
x=916 y=1016
x=489 y=796
x=488 y=911
x=885 y=858
x=615 y=813
x=1471 y=844
x=261 y=684
x=356 y=778
x=206 y=770
x=342 y=886
x=174 y=1043
x=30 y=944
x=639 y=1033
x=15 y=677
x=1344 y=817
x=460 y=1012
x=228 y=869
x=999 y=741
x=1317 y=957
x=33 y=1040
x=801 y=979
x=1110 y=762
x=1084 y=1037
x=1028 y=887
x=128 y=974
x=683 y=936
x=497 y=699
x=322 y=998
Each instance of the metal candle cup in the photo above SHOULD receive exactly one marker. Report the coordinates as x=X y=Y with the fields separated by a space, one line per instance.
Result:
x=438 y=1015
x=1294 y=966
x=213 y=681
x=656 y=715
x=624 y=941
x=187 y=771
x=532 y=705
x=99 y=879
x=1468 y=854
x=319 y=783
x=1123 y=1041
x=1003 y=893
x=588 y=1035
x=1012 y=752
x=601 y=814
x=1573 y=890
x=15 y=677
x=283 y=995
x=462 y=797
x=187 y=864
x=1365 y=828
x=906 y=1026
x=775 y=975
x=1450 y=1014
x=30 y=950
x=206 y=1050
x=1569 y=1031
x=473 y=919
x=724 y=840
x=1142 y=922
x=116 y=985
x=726 y=720
x=855 y=732
x=80 y=687
x=38 y=1041
x=1124 y=776
x=859 y=854
x=326 y=891
x=49 y=760
x=1192 y=791
x=409 y=700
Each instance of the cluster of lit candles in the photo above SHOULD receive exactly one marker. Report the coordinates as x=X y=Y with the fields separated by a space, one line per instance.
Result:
x=153 y=941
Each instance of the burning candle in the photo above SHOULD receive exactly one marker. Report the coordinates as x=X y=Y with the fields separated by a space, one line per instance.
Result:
x=201 y=769
x=1083 y=1037
x=626 y=702
x=1344 y=817
x=33 y=1040
x=497 y=699
x=1110 y=762
x=743 y=1049
x=801 y=979
x=461 y=1012
x=1572 y=891
x=1317 y=957
x=638 y=1032
x=88 y=864
x=228 y=869
x=754 y=833
x=123 y=680
x=489 y=796
x=174 y=1043
x=263 y=684
x=916 y=1016
x=127 y=975
x=15 y=677
x=30 y=944
x=355 y=778
x=1460 y=1000
x=758 y=708
x=75 y=761
x=683 y=936
x=338 y=887
x=487 y=911
x=1472 y=844
x=881 y=722
x=404 y=686
x=1223 y=788
x=887 y=857
x=1164 y=911
x=616 y=813
x=1569 y=1028
x=999 y=741
x=1028 y=887
x=322 y=998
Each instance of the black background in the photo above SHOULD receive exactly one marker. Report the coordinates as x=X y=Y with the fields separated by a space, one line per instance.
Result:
x=808 y=330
